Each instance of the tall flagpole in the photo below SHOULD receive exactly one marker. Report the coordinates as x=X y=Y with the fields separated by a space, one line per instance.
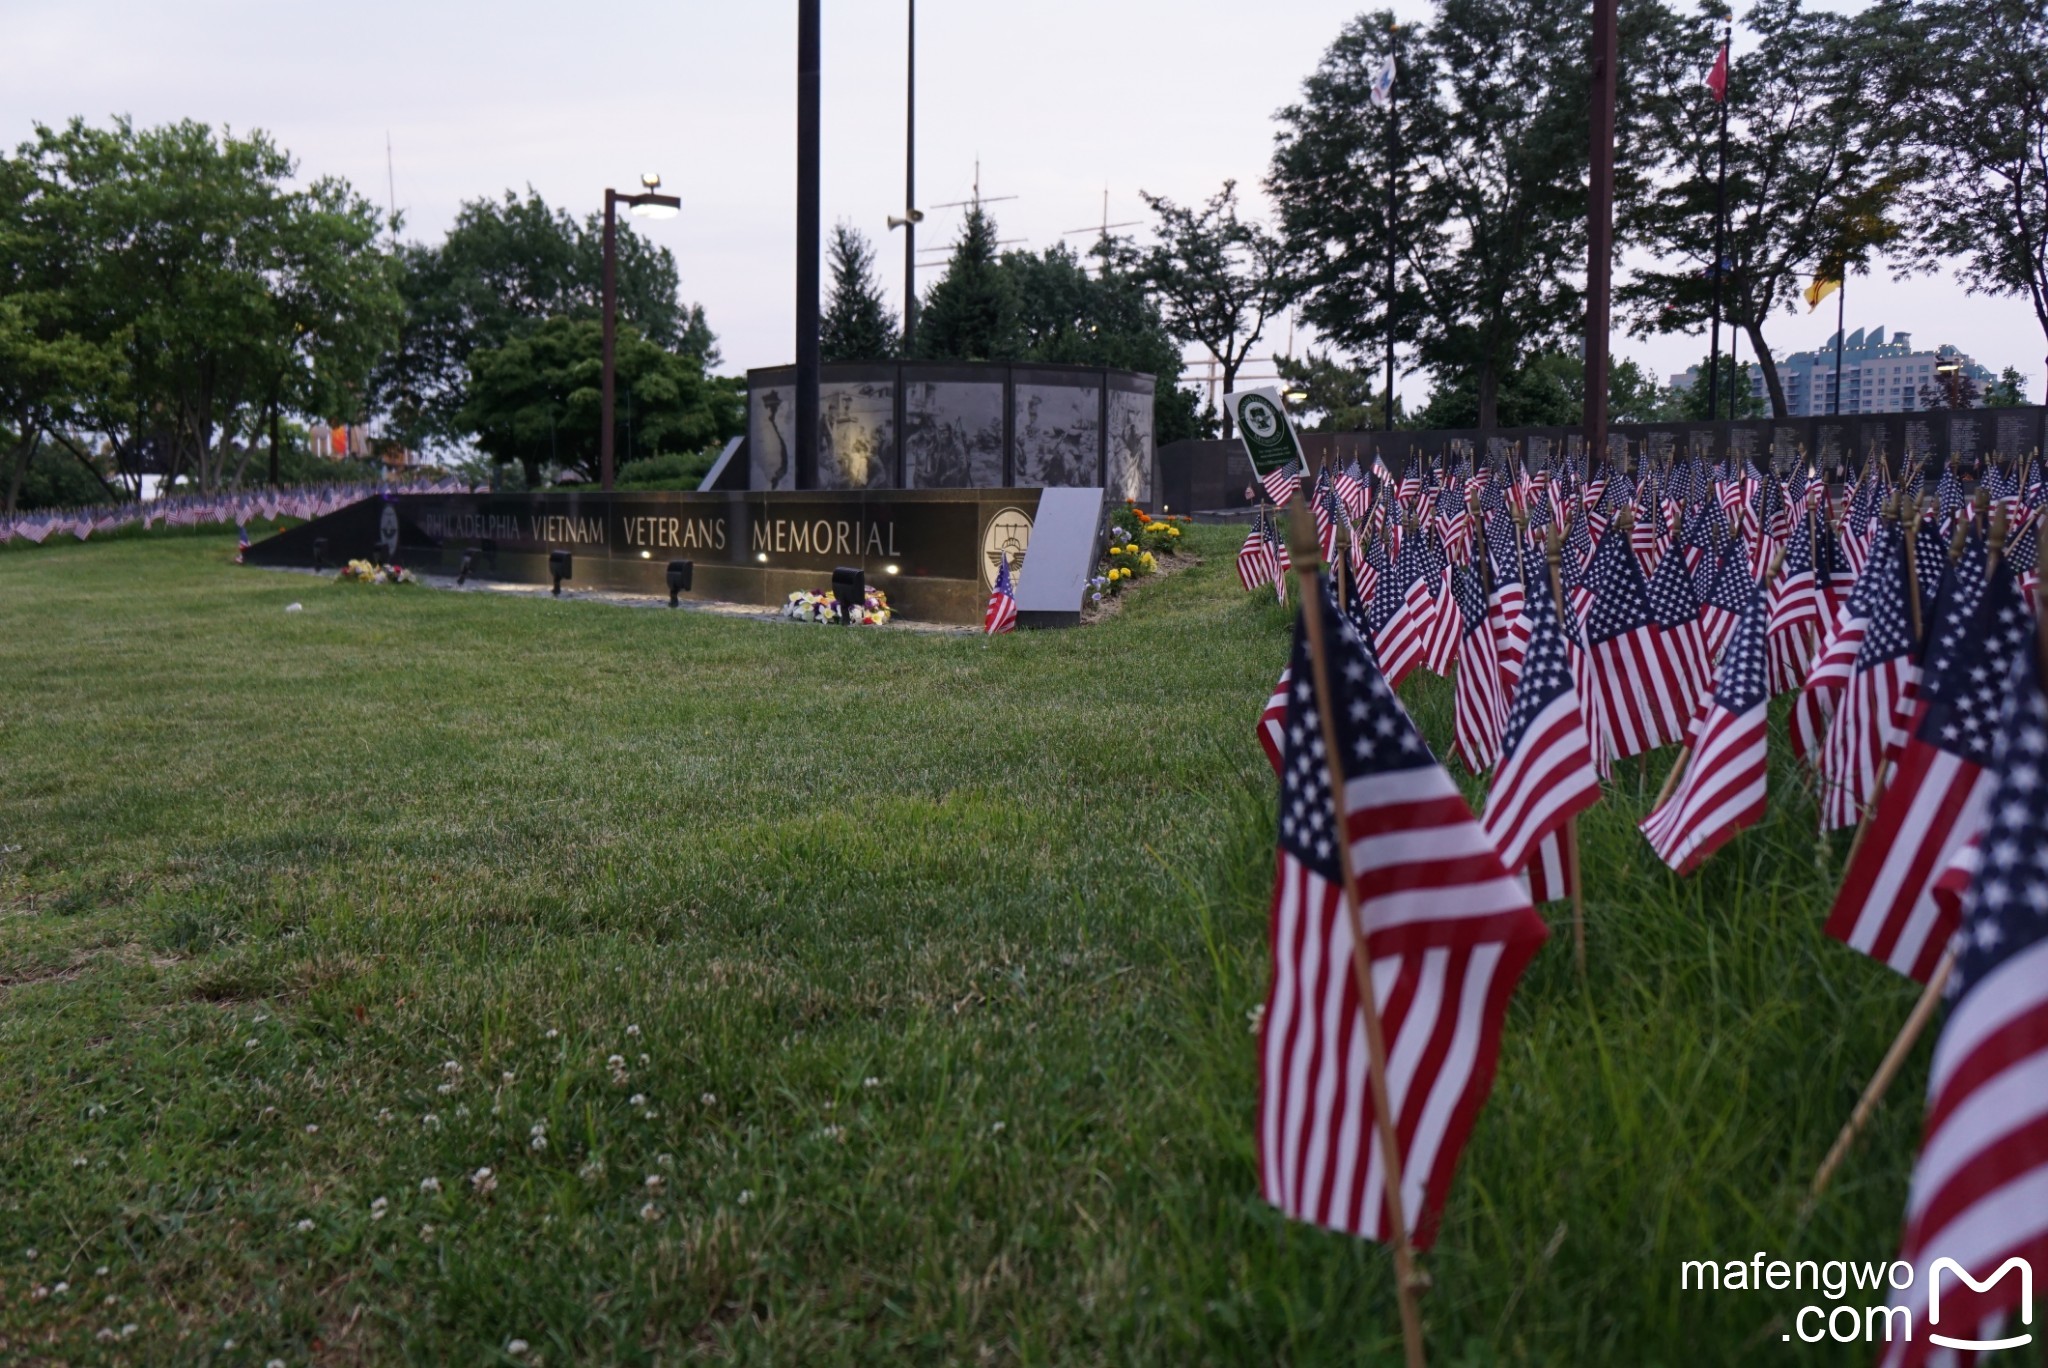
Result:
x=809 y=254
x=1600 y=229
x=1393 y=182
x=1842 y=320
x=1721 y=227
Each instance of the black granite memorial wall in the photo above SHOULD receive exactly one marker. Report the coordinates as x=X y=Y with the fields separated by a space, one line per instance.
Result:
x=932 y=551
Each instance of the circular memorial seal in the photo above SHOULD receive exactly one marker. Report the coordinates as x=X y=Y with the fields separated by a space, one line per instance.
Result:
x=1258 y=415
x=1009 y=530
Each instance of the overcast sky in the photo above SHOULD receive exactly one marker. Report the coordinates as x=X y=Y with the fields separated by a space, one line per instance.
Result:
x=1059 y=99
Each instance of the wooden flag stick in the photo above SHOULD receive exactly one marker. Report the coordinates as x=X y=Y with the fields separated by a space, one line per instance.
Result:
x=1308 y=563
x=1553 y=546
x=1894 y=1060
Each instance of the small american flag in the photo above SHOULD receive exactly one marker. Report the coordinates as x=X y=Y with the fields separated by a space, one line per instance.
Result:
x=1479 y=710
x=1722 y=790
x=1979 y=1194
x=1934 y=801
x=1256 y=566
x=1002 y=603
x=1643 y=691
x=1547 y=771
x=1874 y=709
x=1448 y=934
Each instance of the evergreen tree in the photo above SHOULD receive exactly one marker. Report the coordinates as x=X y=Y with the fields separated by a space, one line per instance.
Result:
x=971 y=314
x=857 y=325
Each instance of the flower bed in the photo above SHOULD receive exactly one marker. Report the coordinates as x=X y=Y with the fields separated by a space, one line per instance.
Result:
x=805 y=606
x=364 y=572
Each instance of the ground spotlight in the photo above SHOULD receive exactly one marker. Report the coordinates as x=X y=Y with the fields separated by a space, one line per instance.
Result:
x=679 y=573
x=468 y=564
x=319 y=553
x=850 y=587
x=558 y=569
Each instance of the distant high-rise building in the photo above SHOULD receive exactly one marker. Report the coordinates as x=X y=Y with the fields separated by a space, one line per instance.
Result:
x=1878 y=375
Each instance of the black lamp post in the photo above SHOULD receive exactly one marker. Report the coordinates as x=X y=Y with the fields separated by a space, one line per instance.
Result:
x=647 y=204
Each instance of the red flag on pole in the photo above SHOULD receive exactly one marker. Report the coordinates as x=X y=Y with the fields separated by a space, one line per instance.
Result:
x=1717 y=79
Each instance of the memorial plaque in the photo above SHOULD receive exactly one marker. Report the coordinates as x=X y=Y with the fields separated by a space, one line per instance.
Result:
x=926 y=549
x=1965 y=440
x=952 y=434
x=771 y=425
x=1057 y=435
x=2016 y=433
x=1918 y=443
x=857 y=435
x=1130 y=446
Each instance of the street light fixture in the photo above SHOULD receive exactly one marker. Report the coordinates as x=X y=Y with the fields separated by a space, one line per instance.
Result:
x=651 y=204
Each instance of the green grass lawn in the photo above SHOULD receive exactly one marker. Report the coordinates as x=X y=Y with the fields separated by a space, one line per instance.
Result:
x=811 y=996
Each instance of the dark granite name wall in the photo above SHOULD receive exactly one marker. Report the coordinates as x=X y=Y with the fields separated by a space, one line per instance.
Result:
x=925 y=548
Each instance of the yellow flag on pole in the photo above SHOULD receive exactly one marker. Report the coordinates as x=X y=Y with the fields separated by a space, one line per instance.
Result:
x=1822 y=287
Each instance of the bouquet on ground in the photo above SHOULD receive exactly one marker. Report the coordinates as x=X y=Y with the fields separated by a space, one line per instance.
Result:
x=366 y=572
x=806 y=606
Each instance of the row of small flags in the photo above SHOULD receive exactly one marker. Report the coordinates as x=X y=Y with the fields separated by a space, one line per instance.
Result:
x=237 y=508
x=1591 y=616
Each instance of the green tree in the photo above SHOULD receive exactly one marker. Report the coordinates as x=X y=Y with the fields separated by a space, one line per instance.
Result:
x=857 y=325
x=1342 y=396
x=227 y=295
x=1548 y=390
x=971 y=313
x=1972 y=79
x=1816 y=173
x=1489 y=169
x=1068 y=316
x=2009 y=390
x=49 y=369
x=536 y=400
x=1689 y=402
x=1217 y=277
x=505 y=267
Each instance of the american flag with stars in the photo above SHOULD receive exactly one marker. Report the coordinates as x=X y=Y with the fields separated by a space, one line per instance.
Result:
x=1933 y=803
x=1002 y=602
x=1642 y=691
x=1722 y=789
x=1873 y=712
x=1448 y=934
x=1979 y=1193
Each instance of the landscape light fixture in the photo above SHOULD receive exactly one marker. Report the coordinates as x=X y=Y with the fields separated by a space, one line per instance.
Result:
x=559 y=563
x=468 y=564
x=650 y=204
x=319 y=553
x=850 y=587
x=890 y=570
x=679 y=575
x=1295 y=394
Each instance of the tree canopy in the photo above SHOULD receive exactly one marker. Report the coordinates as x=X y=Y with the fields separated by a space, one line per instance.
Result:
x=857 y=325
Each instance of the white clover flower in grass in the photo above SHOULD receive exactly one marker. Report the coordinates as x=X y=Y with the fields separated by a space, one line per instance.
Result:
x=667 y=1161
x=96 y=1110
x=29 y=1253
x=426 y=1233
x=110 y=1300
x=645 y=1060
x=79 y=1161
x=592 y=1170
x=384 y=1116
x=445 y=1089
x=60 y=1289
x=430 y=1122
x=100 y=1272
x=484 y=1181
x=649 y=1115
x=227 y=1346
x=709 y=1099
x=650 y=1212
x=632 y=1030
x=615 y=1062
x=538 y=1143
x=637 y=1100
x=430 y=1184
x=871 y=1082
x=652 y=1182
x=1255 y=1017
x=38 y=1292
x=552 y=1034
x=250 y=1043
x=378 y=1207
x=746 y=1196
x=105 y=1334
x=996 y=1128
x=506 y=1078
x=517 y=1347
x=450 y=1066
x=305 y=1226
x=312 y=1130
x=833 y=1132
